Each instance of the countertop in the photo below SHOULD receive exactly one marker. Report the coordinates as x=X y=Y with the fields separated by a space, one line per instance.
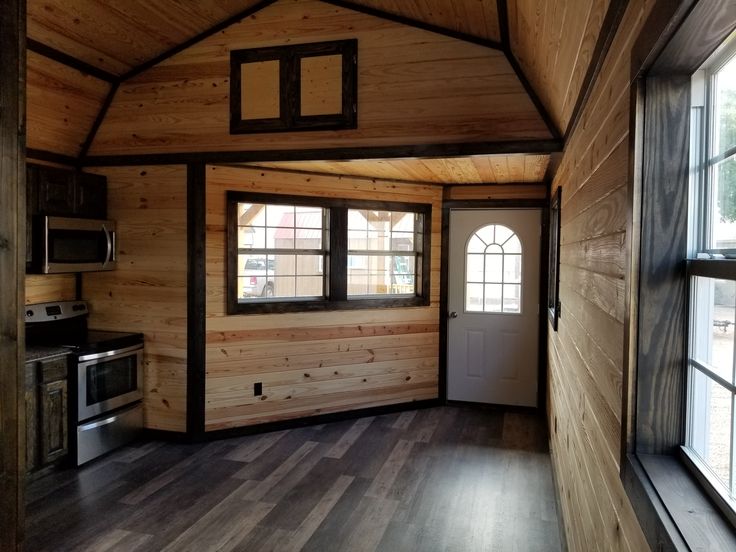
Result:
x=40 y=352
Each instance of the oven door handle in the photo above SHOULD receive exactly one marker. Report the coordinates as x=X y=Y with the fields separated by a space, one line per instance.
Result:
x=107 y=354
x=98 y=423
x=108 y=237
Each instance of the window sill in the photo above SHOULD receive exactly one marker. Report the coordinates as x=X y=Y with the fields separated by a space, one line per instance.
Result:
x=276 y=306
x=674 y=512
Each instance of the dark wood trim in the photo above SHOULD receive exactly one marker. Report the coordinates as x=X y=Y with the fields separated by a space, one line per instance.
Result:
x=196 y=298
x=337 y=257
x=552 y=294
x=195 y=39
x=503 y=19
x=290 y=117
x=51 y=157
x=70 y=61
x=320 y=419
x=611 y=21
x=328 y=154
x=416 y=23
x=97 y=123
x=544 y=261
x=661 y=533
x=529 y=89
x=503 y=24
x=12 y=270
x=448 y=205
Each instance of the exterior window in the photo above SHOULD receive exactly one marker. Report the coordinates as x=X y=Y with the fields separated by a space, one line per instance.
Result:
x=709 y=446
x=280 y=251
x=382 y=252
x=493 y=260
x=294 y=253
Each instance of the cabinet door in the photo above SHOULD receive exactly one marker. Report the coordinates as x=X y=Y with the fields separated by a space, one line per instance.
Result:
x=54 y=438
x=31 y=418
x=91 y=196
x=55 y=192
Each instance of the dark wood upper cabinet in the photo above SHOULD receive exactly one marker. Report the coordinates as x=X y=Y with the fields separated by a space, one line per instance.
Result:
x=55 y=191
x=90 y=198
x=64 y=193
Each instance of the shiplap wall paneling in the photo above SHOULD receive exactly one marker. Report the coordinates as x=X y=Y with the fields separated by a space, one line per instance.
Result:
x=414 y=87
x=120 y=38
x=586 y=353
x=148 y=291
x=554 y=42
x=62 y=105
x=42 y=288
x=319 y=362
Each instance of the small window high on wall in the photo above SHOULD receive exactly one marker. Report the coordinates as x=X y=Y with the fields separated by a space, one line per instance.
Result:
x=298 y=253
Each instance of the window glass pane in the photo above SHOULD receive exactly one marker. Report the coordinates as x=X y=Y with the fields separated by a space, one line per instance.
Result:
x=511 y=298
x=402 y=222
x=381 y=275
x=492 y=302
x=474 y=271
x=357 y=219
x=723 y=176
x=725 y=108
x=378 y=241
x=512 y=269
x=494 y=268
x=713 y=324
x=273 y=232
x=474 y=297
x=710 y=416
x=402 y=241
x=489 y=262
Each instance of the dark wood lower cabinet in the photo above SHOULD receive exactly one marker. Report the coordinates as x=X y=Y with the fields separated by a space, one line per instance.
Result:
x=46 y=394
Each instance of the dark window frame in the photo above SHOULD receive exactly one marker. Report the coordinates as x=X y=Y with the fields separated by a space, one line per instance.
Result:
x=671 y=46
x=553 y=284
x=336 y=256
x=290 y=118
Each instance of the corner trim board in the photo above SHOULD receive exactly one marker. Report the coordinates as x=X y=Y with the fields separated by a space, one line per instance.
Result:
x=51 y=157
x=609 y=27
x=70 y=61
x=196 y=298
x=97 y=122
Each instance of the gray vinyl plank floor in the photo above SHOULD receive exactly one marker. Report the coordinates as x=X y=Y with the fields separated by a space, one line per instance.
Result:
x=450 y=478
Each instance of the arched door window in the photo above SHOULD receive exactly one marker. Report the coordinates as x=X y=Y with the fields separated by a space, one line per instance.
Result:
x=493 y=260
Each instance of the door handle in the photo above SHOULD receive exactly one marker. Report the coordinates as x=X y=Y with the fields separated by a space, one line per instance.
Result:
x=453 y=314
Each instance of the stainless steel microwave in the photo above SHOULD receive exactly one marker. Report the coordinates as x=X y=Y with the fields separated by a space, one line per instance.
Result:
x=74 y=245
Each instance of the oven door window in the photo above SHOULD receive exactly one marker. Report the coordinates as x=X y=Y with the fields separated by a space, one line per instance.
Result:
x=77 y=246
x=112 y=378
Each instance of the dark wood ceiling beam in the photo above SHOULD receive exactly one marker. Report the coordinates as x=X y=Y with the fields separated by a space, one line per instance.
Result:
x=330 y=154
x=408 y=21
x=614 y=14
x=51 y=157
x=503 y=24
x=70 y=61
x=97 y=123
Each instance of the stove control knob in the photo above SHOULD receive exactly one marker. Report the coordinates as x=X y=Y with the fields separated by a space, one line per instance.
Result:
x=29 y=313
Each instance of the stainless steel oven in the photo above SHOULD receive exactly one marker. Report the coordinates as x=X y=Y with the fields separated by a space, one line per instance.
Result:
x=108 y=380
x=74 y=244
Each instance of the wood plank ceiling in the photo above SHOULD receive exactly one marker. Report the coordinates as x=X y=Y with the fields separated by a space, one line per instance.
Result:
x=553 y=42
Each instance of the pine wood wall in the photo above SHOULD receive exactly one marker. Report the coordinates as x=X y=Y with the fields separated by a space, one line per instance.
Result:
x=320 y=362
x=586 y=354
x=148 y=290
x=414 y=87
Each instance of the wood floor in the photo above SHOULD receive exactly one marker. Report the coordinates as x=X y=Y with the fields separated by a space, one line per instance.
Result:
x=445 y=479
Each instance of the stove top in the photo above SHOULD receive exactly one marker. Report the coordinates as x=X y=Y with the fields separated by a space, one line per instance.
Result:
x=65 y=324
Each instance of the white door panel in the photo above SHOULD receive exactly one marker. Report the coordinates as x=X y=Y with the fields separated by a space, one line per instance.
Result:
x=493 y=293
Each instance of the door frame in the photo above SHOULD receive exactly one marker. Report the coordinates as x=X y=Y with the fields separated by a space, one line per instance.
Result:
x=484 y=204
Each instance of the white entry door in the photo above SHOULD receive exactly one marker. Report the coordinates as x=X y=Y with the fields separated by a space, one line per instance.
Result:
x=493 y=303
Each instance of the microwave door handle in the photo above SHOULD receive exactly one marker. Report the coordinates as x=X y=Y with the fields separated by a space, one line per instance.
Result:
x=109 y=245
x=113 y=248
